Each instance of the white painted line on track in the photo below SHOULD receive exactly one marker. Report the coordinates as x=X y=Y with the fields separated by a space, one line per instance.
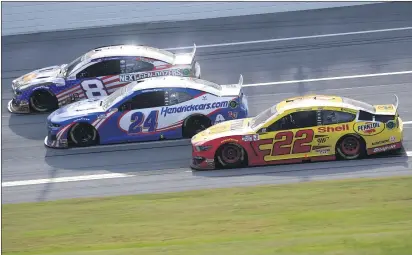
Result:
x=294 y=38
x=407 y=122
x=85 y=178
x=328 y=78
x=65 y=179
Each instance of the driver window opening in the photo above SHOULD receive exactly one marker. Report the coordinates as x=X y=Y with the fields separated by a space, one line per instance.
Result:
x=301 y=119
x=145 y=100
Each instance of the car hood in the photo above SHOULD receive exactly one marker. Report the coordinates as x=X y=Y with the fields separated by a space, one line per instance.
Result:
x=49 y=74
x=224 y=129
x=81 y=108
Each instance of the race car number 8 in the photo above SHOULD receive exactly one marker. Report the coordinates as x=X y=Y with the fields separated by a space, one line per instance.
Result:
x=93 y=88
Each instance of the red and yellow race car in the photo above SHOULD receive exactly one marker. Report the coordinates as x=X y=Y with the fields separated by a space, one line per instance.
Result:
x=307 y=128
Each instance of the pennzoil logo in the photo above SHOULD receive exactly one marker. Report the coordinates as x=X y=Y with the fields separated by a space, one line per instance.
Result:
x=368 y=128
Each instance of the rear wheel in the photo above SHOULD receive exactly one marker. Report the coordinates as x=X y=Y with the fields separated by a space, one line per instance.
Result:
x=43 y=101
x=350 y=147
x=195 y=124
x=231 y=155
x=83 y=135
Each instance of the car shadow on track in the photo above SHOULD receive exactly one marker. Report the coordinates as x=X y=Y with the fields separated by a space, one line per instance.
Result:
x=32 y=127
x=133 y=158
x=385 y=164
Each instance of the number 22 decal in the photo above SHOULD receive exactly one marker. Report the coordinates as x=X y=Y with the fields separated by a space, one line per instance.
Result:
x=284 y=146
x=141 y=124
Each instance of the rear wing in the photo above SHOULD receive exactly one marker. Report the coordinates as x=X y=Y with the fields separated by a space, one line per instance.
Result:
x=185 y=58
x=193 y=51
x=396 y=102
x=233 y=89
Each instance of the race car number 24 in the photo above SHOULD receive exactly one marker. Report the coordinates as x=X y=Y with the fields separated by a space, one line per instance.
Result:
x=282 y=142
x=142 y=124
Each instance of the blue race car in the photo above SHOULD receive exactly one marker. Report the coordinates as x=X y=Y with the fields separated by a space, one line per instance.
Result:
x=97 y=73
x=150 y=109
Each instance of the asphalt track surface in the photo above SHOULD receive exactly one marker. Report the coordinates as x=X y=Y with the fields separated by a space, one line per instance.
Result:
x=163 y=166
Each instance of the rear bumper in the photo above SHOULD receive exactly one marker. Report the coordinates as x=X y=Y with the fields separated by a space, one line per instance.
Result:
x=385 y=148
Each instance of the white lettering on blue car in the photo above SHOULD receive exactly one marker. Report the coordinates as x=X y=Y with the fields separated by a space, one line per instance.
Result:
x=193 y=107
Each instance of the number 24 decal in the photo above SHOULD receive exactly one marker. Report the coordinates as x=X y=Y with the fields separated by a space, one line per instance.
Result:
x=141 y=124
x=284 y=146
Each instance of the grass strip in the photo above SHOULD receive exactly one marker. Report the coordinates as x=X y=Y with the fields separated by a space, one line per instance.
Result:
x=350 y=217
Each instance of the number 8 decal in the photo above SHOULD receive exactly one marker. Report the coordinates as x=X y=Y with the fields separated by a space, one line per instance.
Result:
x=93 y=88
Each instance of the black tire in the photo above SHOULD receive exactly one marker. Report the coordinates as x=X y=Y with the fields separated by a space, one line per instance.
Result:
x=350 y=147
x=82 y=135
x=43 y=101
x=231 y=155
x=195 y=124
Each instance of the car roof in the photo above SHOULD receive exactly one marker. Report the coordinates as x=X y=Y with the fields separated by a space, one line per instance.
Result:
x=130 y=50
x=309 y=101
x=176 y=82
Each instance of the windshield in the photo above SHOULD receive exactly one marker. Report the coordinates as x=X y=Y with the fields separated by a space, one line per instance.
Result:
x=263 y=116
x=117 y=94
x=69 y=68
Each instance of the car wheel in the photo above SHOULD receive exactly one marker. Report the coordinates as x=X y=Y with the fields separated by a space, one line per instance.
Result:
x=231 y=155
x=350 y=147
x=195 y=124
x=83 y=135
x=43 y=101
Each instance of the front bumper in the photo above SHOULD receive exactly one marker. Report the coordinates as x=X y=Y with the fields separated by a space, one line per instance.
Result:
x=51 y=142
x=202 y=160
x=22 y=107
x=196 y=164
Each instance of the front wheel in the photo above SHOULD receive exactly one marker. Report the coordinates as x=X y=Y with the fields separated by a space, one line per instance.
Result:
x=231 y=155
x=43 y=101
x=83 y=135
x=350 y=147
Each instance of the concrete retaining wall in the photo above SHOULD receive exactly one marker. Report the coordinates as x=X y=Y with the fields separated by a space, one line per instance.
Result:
x=33 y=17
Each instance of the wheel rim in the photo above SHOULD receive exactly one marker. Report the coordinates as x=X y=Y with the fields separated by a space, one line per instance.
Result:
x=83 y=134
x=350 y=146
x=41 y=101
x=231 y=154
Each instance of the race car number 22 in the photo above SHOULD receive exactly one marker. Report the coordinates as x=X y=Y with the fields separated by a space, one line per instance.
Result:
x=141 y=124
x=282 y=143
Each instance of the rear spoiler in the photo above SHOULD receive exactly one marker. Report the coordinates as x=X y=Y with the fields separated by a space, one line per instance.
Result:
x=240 y=83
x=194 y=50
x=233 y=89
x=396 y=102
x=185 y=58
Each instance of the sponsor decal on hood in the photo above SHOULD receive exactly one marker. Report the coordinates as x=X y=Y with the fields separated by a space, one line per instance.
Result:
x=41 y=76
